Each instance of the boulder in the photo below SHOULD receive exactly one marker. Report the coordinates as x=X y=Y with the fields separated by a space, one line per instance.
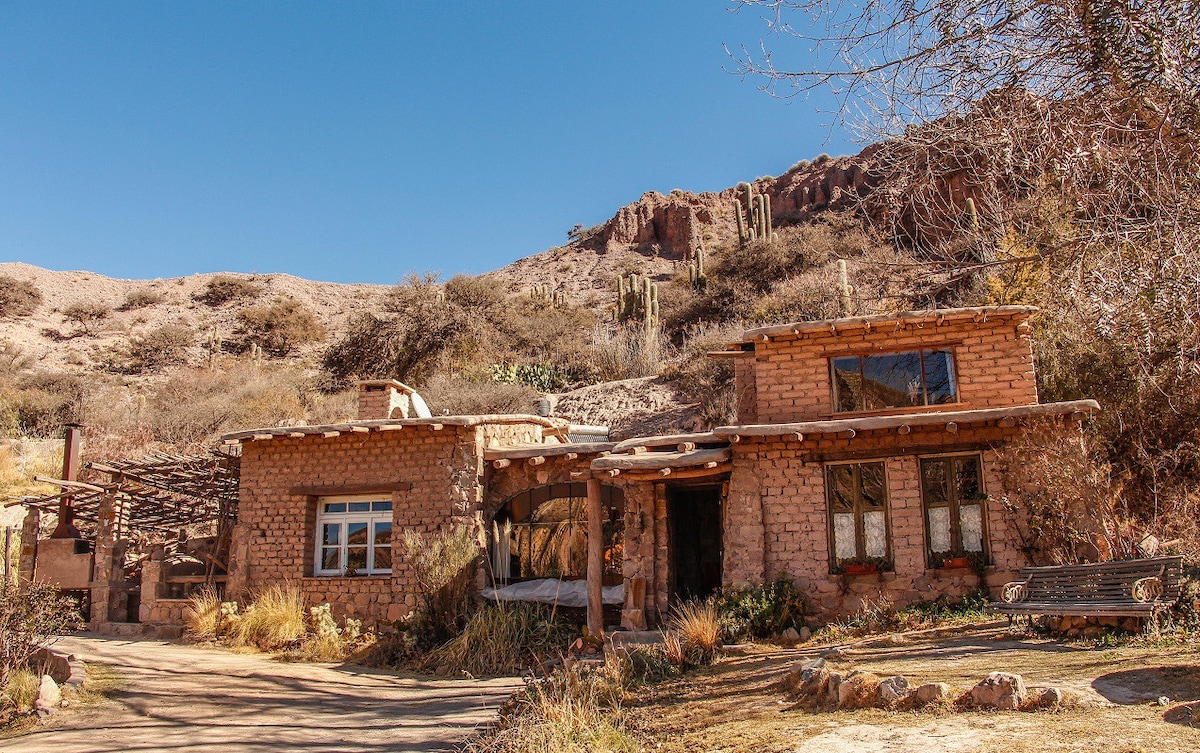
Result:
x=1049 y=698
x=932 y=692
x=49 y=696
x=805 y=633
x=791 y=635
x=893 y=689
x=1000 y=690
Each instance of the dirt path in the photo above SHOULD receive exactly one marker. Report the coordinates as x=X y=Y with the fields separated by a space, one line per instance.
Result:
x=179 y=698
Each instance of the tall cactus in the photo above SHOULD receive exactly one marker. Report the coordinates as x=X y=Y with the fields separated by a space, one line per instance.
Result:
x=696 y=272
x=972 y=216
x=637 y=299
x=546 y=295
x=753 y=212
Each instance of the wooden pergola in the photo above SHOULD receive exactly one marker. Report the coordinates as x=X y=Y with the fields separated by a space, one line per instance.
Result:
x=158 y=492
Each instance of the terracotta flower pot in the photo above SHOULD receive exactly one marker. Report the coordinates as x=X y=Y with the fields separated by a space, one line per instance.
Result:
x=956 y=562
x=858 y=569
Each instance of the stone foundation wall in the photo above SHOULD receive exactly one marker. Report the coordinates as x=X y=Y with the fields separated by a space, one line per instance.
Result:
x=776 y=518
x=792 y=380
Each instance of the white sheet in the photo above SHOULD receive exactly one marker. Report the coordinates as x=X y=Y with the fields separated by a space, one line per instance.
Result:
x=566 y=593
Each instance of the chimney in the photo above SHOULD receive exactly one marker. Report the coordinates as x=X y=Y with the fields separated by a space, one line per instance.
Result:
x=72 y=439
x=384 y=398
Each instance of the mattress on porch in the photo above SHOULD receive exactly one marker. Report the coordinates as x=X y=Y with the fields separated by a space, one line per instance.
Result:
x=565 y=593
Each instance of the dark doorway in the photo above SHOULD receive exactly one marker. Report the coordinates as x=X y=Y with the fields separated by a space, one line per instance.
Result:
x=695 y=525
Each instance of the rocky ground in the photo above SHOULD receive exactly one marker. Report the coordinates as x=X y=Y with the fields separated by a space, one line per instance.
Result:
x=742 y=703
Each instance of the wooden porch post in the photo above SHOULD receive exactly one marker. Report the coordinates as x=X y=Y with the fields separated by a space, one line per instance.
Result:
x=595 y=562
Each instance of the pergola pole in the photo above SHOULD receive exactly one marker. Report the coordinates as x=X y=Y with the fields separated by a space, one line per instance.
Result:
x=595 y=561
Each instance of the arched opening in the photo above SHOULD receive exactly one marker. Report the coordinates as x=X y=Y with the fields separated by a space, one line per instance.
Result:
x=542 y=533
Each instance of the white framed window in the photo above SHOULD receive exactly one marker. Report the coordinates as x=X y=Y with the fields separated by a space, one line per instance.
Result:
x=354 y=536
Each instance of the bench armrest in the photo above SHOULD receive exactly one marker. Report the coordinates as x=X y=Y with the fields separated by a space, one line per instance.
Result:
x=1013 y=591
x=1146 y=589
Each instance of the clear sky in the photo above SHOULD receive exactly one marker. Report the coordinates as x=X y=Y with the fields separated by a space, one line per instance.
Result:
x=358 y=141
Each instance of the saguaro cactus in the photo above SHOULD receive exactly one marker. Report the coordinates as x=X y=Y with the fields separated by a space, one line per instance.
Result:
x=637 y=300
x=544 y=294
x=753 y=213
x=696 y=272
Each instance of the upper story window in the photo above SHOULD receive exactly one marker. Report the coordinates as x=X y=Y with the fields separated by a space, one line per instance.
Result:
x=354 y=536
x=903 y=379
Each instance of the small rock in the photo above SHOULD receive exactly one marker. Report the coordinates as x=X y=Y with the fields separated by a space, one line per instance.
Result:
x=791 y=635
x=805 y=633
x=893 y=689
x=1000 y=690
x=833 y=684
x=1164 y=701
x=809 y=668
x=932 y=692
x=833 y=654
x=1050 y=697
x=49 y=696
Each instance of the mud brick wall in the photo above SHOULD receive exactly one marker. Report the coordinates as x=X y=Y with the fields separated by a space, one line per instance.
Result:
x=776 y=517
x=275 y=537
x=792 y=381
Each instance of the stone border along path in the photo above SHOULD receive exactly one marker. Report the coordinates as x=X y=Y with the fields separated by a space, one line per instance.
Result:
x=177 y=698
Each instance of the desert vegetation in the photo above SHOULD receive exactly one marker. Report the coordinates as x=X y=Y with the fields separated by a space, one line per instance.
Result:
x=18 y=298
x=32 y=617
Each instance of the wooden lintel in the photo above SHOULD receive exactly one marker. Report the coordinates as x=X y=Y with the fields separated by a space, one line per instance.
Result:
x=360 y=429
x=501 y=463
x=331 y=434
x=334 y=490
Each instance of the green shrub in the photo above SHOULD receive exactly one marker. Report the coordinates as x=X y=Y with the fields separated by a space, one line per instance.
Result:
x=18 y=298
x=32 y=616
x=543 y=377
x=223 y=289
x=761 y=611
x=279 y=328
x=442 y=568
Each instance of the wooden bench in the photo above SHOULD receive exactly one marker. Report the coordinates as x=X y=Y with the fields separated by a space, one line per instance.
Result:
x=1128 y=588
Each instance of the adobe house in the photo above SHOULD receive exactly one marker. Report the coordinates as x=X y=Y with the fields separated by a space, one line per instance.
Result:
x=863 y=464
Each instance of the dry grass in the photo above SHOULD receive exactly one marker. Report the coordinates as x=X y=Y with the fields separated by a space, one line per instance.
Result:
x=699 y=628
x=206 y=616
x=274 y=619
x=568 y=711
x=516 y=634
x=20 y=691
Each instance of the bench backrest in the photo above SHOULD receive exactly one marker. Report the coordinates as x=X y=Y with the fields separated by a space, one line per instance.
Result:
x=1102 y=581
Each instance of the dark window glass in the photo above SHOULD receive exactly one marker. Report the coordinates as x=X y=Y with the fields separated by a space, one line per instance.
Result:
x=332 y=534
x=872 y=484
x=381 y=506
x=356 y=558
x=360 y=507
x=893 y=380
x=335 y=507
x=356 y=534
x=967 y=470
x=329 y=559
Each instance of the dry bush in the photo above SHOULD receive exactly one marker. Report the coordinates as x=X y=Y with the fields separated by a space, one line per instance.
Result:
x=19 y=692
x=279 y=328
x=196 y=404
x=37 y=404
x=18 y=298
x=699 y=628
x=518 y=635
x=208 y=617
x=223 y=289
x=707 y=381
x=140 y=299
x=32 y=616
x=87 y=315
x=568 y=711
x=462 y=396
x=627 y=352
x=165 y=346
x=442 y=568
x=273 y=620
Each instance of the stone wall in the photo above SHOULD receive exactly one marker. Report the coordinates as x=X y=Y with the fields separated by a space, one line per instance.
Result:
x=776 y=517
x=994 y=360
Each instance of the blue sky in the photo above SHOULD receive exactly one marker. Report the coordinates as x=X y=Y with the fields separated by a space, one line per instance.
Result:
x=358 y=141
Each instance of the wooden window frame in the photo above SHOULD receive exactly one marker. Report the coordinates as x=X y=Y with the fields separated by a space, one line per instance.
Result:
x=344 y=519
x=954 y=504
x=925 y=405
x=860 y=543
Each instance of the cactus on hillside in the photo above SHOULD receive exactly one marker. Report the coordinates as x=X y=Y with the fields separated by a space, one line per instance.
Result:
x=696 y=272
x=972 y=216
x=753 y=213
x=637 y=300
x=544 y=294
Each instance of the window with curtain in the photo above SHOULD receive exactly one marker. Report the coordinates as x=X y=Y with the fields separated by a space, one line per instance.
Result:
x=952 y=495
x=858 y=525
x=354 y=536
x=877 y=381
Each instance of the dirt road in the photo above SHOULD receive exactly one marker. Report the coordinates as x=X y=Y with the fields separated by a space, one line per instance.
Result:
x=181 y=698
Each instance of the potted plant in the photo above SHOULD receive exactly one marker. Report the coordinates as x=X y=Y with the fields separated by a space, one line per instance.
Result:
x=955 y=563
x=862 y=565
